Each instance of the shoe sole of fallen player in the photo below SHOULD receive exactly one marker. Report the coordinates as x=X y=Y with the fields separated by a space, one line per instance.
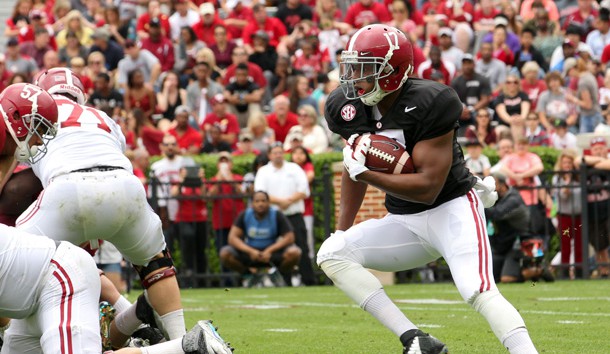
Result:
x=204 y=339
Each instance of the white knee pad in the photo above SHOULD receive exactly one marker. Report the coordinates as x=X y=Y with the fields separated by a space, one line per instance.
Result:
x=352 y=278
x=499 y=313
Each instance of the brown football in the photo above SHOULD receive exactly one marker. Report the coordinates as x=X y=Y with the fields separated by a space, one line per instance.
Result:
x=387 y=155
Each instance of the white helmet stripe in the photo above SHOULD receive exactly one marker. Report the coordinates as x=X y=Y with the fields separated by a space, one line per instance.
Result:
x=354 y=38
x=68 y=76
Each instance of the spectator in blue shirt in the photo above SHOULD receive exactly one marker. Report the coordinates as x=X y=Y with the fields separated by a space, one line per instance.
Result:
x=261 y=236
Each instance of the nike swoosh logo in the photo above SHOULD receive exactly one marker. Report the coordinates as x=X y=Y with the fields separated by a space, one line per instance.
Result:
x=409 y=109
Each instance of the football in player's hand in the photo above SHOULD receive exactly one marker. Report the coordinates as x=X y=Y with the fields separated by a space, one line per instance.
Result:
x=387 y=155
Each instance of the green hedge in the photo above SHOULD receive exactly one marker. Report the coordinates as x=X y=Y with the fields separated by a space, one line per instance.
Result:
x=323 y=162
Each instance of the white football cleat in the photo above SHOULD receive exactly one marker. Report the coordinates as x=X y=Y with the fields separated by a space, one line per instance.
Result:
x=204 y=339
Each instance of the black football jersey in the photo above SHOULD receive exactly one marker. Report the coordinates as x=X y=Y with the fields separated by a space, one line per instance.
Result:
x=424 y=110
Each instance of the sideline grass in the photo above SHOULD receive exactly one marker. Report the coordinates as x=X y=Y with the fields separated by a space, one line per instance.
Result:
x=562 y=317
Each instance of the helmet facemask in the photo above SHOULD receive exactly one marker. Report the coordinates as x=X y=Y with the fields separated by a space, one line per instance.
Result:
x=36 y=126
x=354 y=69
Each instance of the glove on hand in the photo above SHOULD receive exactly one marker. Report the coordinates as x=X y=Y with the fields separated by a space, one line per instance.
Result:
x=486 y=189
x=355 y=156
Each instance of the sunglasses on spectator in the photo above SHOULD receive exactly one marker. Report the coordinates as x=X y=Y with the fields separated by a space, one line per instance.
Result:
x=512 y=82
x=170 y=144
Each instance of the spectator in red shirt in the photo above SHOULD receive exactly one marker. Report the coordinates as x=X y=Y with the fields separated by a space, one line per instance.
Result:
x=239 y=16
x=220 y=116
x=436 y=64
x=226 y=186
x=281 y=119
x=191 y=223
x=366 y=12
x=159 y=45
x=483 y=19
x=245 y=145
x=19 y=20
x=209 y=20
x=273 y=26
x=255 y=73
x=531 y=84
x=189 y=139
x=140 y=160
x=154 y=11
x=145 y=129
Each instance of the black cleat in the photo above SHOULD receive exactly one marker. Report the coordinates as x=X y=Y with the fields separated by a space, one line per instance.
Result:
x=418 y=342
x=152 y=335
x=144 y=312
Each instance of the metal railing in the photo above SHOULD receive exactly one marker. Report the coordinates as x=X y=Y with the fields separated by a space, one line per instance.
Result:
x=214 y=274
x=322 y=192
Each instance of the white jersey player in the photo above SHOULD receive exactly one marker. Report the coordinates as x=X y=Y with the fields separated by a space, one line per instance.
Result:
x=49 y=288
x=90 y=193
x=51 y=291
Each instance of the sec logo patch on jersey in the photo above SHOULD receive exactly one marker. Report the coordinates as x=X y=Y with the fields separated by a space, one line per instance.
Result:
x=348 y=112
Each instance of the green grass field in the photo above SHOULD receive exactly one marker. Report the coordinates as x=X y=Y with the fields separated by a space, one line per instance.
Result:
x=562 y=317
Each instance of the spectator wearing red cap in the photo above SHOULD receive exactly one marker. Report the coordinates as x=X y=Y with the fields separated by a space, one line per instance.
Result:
x=273 y=26
x=154 y=11
x=220 y=116
x=281 y=119
x=189 y=139
x=209 y=20
x=38 y=19
x=573 y=37
x=367 y=12
x=159 y=45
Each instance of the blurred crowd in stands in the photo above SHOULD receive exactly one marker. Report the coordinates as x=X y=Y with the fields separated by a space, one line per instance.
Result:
x=238 y=77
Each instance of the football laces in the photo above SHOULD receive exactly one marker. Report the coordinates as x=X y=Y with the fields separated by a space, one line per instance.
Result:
x=381 y=154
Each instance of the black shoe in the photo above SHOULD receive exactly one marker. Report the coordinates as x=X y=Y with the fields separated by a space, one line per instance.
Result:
x=144 y=312
x=152 y=335
x=417 y=342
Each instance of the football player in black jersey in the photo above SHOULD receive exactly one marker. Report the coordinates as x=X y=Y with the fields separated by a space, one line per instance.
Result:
x=433 y=212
